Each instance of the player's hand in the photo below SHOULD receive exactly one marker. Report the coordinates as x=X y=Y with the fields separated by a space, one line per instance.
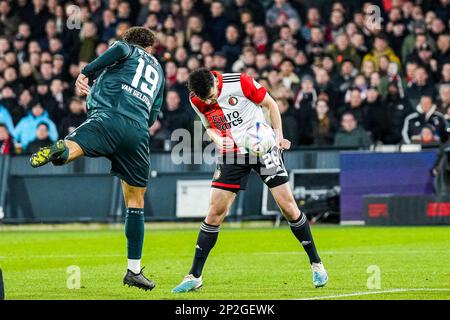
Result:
x=283 y=144
x=82 y=84
x=225 y=144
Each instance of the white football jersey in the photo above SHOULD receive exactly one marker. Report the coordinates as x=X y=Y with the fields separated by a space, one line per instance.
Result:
x=237 y=107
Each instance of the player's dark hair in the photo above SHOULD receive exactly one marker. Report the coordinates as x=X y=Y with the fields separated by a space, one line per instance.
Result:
x=200 y=82
x=139 y=35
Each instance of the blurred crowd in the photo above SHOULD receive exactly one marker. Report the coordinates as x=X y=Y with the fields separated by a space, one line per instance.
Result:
x=344 y=73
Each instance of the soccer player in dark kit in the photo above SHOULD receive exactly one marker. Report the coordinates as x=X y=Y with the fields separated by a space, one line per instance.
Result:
x=122 y=104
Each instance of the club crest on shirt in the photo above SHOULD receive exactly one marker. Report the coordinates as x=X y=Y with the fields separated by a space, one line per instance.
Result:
x=232 y=101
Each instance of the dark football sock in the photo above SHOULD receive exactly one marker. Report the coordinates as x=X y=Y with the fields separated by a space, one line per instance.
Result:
x=206 y=240
x=300 y=228
x=134 y=231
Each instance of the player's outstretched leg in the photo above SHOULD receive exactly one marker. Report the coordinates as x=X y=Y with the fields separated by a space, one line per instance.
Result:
x=302 y=231
x=220 y=203
x=134 y=231
x=59 y=153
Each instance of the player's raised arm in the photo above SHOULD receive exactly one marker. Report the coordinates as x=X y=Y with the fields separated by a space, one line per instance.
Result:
x=118 y=51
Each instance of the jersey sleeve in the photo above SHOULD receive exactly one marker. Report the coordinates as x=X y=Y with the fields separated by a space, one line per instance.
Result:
x=119 y=50
x=252 y=90
x=202 y=117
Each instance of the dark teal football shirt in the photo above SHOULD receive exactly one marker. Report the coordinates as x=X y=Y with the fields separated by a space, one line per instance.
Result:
x=131 y=83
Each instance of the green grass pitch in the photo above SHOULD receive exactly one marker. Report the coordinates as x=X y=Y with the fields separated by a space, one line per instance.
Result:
x=247 y=263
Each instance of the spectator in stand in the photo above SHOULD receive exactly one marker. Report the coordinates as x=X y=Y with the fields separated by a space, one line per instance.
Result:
x=109 y=25
x=42 y=139
x=313 y=19
x=157 y=136
x=396 y=30
x=170 y=74
x=324 y=124
x=280 y=8
x=290 y=126
x=443 y=49
x=180 y=86
x=444 y=98
x=247 y=59
x=25 y=131
x=323 y=84
x=9 y=20
x=351 y=135
x=445 y=74
x=343 y=50
x=425 y=114
x=289 y=79
x=6 y=119
x=427 y=137
x=421 y=86
x=416 y=39
x=260 y=39
x=216 y=24
x=344 y=80
x=74 y=118
x=6 y=141
x=304 y=102
x=381 y=48
x=398 y=108
x=336 y=25
x=316 y=46
x=239 y=7
x=220 y=62
x=377 y=116
x=174 y=116
x=232 y=47
x=355 y=106
x=89 y=39
x=57 y=104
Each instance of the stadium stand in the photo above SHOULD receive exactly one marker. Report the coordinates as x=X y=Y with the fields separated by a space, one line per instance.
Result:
x=300 y=51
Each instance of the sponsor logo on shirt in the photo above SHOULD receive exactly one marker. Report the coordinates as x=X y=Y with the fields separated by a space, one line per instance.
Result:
x=227 y=121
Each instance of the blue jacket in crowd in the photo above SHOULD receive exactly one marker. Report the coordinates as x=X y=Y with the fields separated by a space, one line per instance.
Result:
x=5 y=118
x=25 y=131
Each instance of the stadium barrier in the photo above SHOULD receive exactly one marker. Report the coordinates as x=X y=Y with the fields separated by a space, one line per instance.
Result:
x=380 y=173
x=407 y=210
x=84 y=190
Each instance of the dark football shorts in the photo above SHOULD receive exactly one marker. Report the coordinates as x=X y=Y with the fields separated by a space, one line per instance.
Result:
x=120 y=139
x=232 y=172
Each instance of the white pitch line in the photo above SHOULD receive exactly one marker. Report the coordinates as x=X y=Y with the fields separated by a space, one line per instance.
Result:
x=354 y=294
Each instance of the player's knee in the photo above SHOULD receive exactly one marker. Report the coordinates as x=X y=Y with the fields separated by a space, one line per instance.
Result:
x=134 y=199
x=216 y=214
x=135 y=202
x=290 y=209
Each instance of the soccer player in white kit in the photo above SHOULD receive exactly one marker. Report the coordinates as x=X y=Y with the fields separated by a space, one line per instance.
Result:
x=228 y=104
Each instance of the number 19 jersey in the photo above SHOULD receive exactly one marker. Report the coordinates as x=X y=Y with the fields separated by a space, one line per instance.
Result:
x=132 y=86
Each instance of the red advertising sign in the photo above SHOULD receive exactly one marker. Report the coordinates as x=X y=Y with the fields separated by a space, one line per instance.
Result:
x=438 y=209
x=376 y=210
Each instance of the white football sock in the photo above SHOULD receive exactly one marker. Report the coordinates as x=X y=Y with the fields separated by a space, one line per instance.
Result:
x=134 y=265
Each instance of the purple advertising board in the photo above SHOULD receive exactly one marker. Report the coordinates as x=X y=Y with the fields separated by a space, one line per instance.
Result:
x=399 y=173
